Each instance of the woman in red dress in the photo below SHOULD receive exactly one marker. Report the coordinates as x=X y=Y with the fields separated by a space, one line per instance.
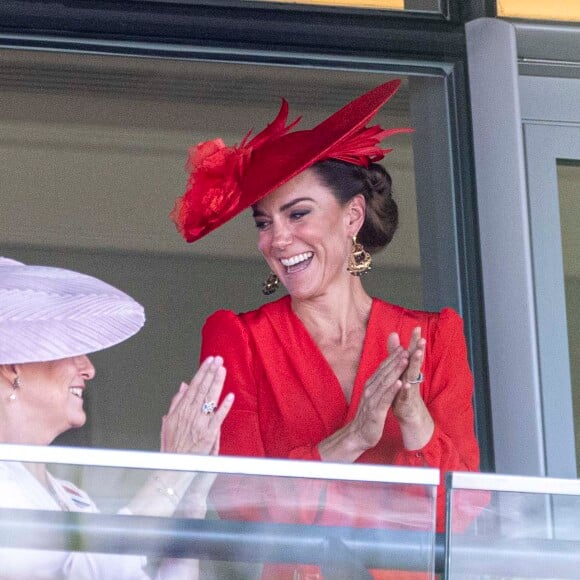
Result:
x=328 y=373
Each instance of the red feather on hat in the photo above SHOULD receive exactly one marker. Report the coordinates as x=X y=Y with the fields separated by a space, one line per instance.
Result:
x=226 y=180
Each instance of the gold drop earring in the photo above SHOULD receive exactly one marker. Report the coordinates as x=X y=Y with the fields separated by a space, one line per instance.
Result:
x=359 y=260
x=270 y=284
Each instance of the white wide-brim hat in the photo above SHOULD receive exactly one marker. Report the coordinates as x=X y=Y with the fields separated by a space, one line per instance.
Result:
x=51 y=313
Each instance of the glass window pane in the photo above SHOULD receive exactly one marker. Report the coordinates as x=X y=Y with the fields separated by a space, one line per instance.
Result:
x=425 y=6
x=94 y=150
x=524 y=528
x=568 y=186
x=239 y=518
x=377 y=4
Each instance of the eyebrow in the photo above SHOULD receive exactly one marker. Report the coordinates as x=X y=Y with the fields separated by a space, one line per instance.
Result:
x=257 y=212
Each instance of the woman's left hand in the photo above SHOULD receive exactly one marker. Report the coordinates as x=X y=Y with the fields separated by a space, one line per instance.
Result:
x=408 y=407
x=193 y=422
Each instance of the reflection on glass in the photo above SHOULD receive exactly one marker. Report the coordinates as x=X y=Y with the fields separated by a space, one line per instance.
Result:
x=161 y=523
x=519 y=534
x=379 y=4
x=93 y=150
x=429 y=6
x=569 y=188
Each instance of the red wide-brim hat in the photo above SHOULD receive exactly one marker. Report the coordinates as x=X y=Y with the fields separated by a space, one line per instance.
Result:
x=224 y=181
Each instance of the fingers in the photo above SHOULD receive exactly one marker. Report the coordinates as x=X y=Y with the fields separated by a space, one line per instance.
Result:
x=206 y=387
x=382 y=388
x=187 y=428
x=417 y=347
x=387 y=396
x=176 y=399
x=408 y=402
x=215 y=450
x=410 y=410
x=388 y=371
x=415 y=337
x=393 y=342
x=203 y=378
x=162 y=436
x=206 y=429
x=207 y=383
x=216 y=422
x=217 y=381
x=402 y=365
x=405 y=393
x=223 y=410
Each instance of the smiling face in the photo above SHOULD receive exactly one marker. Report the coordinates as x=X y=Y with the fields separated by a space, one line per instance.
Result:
x=305 y=235
x=50 y=398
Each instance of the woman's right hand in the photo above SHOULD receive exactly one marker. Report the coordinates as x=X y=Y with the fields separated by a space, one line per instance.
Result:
x=365 y=430
x=379 y=393
x=187 y=428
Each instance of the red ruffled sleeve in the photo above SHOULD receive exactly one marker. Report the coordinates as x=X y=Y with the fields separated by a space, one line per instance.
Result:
x=246 y=497
x=225 y=335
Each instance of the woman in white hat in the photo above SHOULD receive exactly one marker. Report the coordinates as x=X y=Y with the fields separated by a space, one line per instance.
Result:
x=50 y=319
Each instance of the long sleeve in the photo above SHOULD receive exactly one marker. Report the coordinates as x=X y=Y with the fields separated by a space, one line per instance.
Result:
x=448 y=396
x=225 y=335
x=251 y=498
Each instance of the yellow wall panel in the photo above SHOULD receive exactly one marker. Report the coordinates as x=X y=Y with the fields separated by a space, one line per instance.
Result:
x=566 y=10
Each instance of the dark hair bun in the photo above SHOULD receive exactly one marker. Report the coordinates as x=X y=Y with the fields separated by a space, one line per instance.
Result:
x=382 y=215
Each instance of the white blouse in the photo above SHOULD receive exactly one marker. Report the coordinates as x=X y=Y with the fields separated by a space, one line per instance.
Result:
x=20 y=489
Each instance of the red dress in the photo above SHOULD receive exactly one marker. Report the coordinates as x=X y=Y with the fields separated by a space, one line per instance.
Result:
x=288 y=399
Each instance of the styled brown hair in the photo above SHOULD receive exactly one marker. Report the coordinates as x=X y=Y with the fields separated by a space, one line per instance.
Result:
x=346 y=180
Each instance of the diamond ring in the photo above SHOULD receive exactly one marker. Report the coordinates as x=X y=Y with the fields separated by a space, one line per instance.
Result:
x=209 y=407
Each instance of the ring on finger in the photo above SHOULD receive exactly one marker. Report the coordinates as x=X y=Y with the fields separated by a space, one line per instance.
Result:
x=209 y=407
x=418 y=380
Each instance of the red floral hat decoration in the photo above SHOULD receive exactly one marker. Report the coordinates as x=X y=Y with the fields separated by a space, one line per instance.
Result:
x=226 y=180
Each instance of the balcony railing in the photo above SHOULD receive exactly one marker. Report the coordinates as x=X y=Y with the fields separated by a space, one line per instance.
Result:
x=346 y=520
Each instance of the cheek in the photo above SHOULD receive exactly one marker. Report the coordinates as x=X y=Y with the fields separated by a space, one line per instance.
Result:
x=263 y=242
x=339 y=247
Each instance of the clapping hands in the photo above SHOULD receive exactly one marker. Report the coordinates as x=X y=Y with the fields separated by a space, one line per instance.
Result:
x=396 y=384
x=193 y=422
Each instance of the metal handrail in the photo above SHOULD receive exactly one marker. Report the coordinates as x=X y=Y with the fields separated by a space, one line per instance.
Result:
x=352 y=549
x=227 y=540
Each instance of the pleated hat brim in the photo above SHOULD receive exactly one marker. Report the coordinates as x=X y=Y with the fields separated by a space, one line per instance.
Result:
x=51 y=313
